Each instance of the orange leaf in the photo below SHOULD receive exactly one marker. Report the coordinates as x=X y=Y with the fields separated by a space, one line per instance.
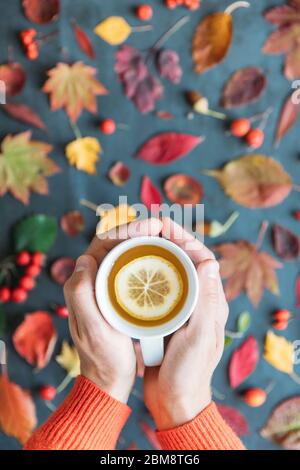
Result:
x=35 y=338
x=74 y=88
x=17 y=410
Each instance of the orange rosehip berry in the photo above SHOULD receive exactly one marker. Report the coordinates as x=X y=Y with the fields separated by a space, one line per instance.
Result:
x=240 y=127
x=144 y=12
x=254 y=397
x=255 y=138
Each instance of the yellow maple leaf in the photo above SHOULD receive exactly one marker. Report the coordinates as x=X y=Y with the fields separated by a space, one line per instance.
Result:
x=114 y=30
x=114 y=217
x=279 y=352
x=69 y=359
x=83 y=153
x=74 y=88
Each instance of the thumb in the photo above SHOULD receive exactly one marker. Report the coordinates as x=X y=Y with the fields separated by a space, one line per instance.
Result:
x=79 y=292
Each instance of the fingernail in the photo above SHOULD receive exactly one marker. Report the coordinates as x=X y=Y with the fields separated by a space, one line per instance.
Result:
x=212 y=269
x=82 y=263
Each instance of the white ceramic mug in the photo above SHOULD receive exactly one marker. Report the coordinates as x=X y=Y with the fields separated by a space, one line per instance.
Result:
x=151 y=337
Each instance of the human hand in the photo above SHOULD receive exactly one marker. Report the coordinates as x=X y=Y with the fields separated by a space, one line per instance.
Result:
x=107 y=357
x=178 y=390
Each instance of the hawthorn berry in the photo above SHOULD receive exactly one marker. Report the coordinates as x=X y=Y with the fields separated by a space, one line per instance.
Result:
x=23 y=258
x=254 y=397
x=108 y=126
x=5 y=294
x=282 y=315
x=47 y=392
x=280 y=325
x=27 y=282
x=255 y=138
x=192 y=4
x=61 y=311
x=33 y=270
x=18 y=295
x=27 y=36
x=37 y=258
x=32 y=51
x=144 y=12
x=171 y=4
x=240 y=127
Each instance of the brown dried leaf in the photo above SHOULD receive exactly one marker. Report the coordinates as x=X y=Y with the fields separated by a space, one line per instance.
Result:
x=14 y=77
x=62 y=269
x=283 y=426
x=25 y=114
x=245 y=268
x=254 y=181
x=244 y=86
x=183 y=189
x=286 y=243
x=72 y=223
x=288 y=117
x=41 y=11
x=211 y=41
x=119 y=174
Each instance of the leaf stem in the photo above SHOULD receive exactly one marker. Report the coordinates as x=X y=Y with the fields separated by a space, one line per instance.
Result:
x=68 y=378
x=234 y=334
x=76 y=130
x=50 y=406
x=90 y=205
x=218 y=395
x=261 y=234
x=234 y=6
x=141 y=29
x=215 y=114
x=295 y=377
x=164 y=38
x=230 y=221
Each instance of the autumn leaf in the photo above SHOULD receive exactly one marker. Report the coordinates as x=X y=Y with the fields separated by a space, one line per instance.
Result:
x=212 y=38
x=279 y=352
x=150 y=195
x=183 y=189
x=287 y=119
x=119 y=174
x=17 y=410
x=41 y=11
x=283 y=426
x=83 y=41
x=285 y=40
x=83 y=153
x=243 y=362
x=114 y=30
x=69 y=359
x=234 y=418
x=244 y=87
x=168 y=65
x=247 y=269
x=167 y=147
x=74 y=88
x=114 y=217
x=35 y=338
x=62 y=269
x=286 y=243
x=254 y=181
x=24 y=165
x=72 y=223
x=14 y=77
x=25 y=114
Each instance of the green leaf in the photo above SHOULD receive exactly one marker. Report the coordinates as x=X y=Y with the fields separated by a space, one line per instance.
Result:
x=243 y=322
x=35 y=233
x=228 y=341
x=2 y=321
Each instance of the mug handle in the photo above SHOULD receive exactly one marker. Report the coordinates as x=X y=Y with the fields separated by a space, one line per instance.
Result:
x=153 y=351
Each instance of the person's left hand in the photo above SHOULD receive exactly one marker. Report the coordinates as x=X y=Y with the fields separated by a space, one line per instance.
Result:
x=107 y=357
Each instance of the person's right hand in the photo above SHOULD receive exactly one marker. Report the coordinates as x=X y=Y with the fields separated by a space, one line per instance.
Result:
x=178 y=390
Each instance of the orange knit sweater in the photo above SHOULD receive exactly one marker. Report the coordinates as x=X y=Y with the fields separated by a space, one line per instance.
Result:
x=89 y=419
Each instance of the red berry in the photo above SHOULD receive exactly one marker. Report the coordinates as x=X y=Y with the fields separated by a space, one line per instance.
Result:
x=282 y=315
x=144 y=12
x=171 y=4
x=37 y=258
x=255 y=397
x=192 y=4
x=27 y=283
x=4 y=294
x=255 y=138
x=280 y=325
x=240 y=127
x=33 y=270
x=297 y=215
x=108 y=126
x=27 y=36
x=47 y=392
x=23 y=258
x=62 y=311
x=19 y=295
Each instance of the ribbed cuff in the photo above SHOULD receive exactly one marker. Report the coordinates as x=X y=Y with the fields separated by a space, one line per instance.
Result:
x=89 y=419
x=208 y=431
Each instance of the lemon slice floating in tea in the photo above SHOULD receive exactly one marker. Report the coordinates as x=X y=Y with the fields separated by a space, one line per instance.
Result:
x=148 y=288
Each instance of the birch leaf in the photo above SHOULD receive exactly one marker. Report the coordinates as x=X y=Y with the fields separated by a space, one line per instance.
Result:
x=114 y=30
x=279 y=352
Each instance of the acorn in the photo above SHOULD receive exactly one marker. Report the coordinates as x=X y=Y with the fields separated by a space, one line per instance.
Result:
x=200 y=105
